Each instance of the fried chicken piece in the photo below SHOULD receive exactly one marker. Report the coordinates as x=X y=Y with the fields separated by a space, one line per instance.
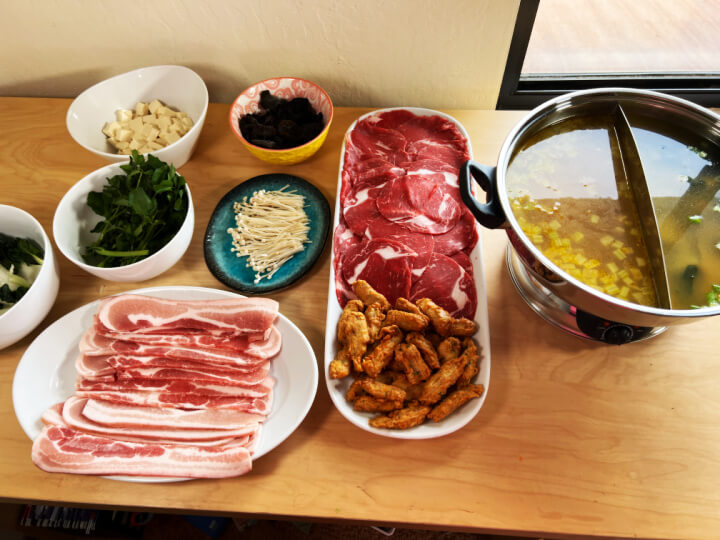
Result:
x=382 y=391
x=473 y=365
x=401 y=418
x=375 y=317
x=425 y=347
x=373 y=404
x=454 y=400
x=410 y=322
x=377 y=359
x=438 y=383
x=399 y=379
x=414 y=366
x=448 y=349
x=413 y=392
x=403 y=304
x=368 y=295
x=355 y=390
x=443 y=323
x=353 y=337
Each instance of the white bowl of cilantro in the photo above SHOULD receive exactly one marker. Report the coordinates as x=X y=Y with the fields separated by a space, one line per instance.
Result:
x=29 y=277
x=126 y=222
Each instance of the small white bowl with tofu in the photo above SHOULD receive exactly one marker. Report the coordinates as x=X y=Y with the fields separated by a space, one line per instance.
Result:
x=159 y=110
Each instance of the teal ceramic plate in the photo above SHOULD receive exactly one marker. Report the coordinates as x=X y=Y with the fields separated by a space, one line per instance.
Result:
x=232 y=270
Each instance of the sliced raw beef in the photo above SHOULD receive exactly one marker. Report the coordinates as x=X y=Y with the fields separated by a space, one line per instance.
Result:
x=463 y=260
x=146 y=314
x=417 y=128
x=112 y=414
x=367 y=141
x=462 y=237
x=448 y=285
x=422 y=244
x=450 y=153
x=419 y=204
x=72 y=414
x=428 y=167
x=94 y=344
x=343 y=239
x=384 y=264
x=262 y=347
x=360 y=208
x=64 y=449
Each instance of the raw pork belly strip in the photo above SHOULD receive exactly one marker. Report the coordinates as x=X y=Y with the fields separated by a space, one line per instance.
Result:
x=73 y=415
x=64 y=449
x=400 y=186
x=262 y=345
x=259 y=405
x=146 y=314
x=138 y=367
x=178 y=387
x=94 y=344
x=113 y=414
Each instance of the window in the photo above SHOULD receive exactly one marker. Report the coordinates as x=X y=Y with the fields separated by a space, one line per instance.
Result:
x=563 y=45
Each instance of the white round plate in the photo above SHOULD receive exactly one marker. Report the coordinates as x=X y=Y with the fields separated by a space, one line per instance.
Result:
x=338 y=387
x=46 y=372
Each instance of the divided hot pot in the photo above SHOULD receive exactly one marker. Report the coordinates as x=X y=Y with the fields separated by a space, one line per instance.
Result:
x=610 y=202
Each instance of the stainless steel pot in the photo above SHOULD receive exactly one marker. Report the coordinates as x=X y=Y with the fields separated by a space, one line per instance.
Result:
x=496 y=212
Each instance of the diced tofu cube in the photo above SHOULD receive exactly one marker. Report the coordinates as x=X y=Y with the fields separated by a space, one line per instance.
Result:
x=141 y=109
x=154 y=145
x=123 y=135
x=135 y=144
x=166 y=111
x=135 y=124
x=111 y=128
x=164 y=122
x=155 y=104
x=171 y=137
x=150 y=119
x=123 y=115
x=149 y=132
x=187 y=123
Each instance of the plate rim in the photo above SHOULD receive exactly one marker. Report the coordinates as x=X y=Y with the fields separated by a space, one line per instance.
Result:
x=483 y=335
x=211 y=261
x=309 y=401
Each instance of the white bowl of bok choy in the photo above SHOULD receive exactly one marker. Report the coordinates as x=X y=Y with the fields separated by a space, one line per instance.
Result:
x=29 y=277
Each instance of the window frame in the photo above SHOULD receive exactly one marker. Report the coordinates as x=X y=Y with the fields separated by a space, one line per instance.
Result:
x=532 y=90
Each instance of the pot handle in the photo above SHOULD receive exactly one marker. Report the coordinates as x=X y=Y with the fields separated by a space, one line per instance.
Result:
x=490 y=214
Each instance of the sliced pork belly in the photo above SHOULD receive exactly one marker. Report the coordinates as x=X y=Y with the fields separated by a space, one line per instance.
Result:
x=262 y=345
x=201 y=375
x=73 y=416
x=147 y=314
x=178 y=387
x=189 y=401
x=114 y=414
x=67 y=450
x=94 y=344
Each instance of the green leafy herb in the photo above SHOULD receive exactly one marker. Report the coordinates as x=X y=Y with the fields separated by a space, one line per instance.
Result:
x=142 y=210
x=712 y=298
x=20 y=260
x=695 y=219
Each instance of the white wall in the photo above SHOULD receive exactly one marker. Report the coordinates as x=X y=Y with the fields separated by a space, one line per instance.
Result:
x=433 y=53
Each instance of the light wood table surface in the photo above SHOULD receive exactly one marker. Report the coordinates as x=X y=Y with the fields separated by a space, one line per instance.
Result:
x=575 y=438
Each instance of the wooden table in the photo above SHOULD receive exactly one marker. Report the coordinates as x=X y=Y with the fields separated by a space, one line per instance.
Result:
x=575 y=438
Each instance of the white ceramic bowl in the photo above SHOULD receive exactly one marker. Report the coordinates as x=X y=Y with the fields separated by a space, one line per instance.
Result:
x=32 y=308
x=176 y=86
x=74 y=220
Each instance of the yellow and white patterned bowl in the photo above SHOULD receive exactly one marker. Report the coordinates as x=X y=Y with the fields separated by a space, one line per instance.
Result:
x=248 y=102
